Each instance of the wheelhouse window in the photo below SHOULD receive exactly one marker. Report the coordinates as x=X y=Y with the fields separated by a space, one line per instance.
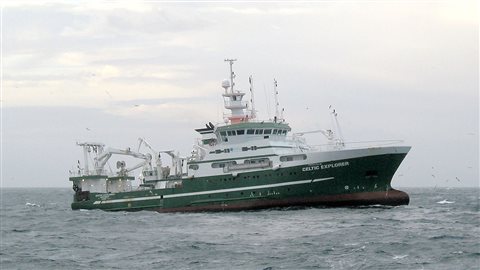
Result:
x=267 y=131
x=240 y=132
x=274 y=132
x=209 y=141
x=259 y=131
x=250 y=131
x=223 y=136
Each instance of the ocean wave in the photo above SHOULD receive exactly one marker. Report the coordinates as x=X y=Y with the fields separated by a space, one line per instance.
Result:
x=32 y=204
x=445 y=202
x=423 y=235
x=398 y=257
x=444 y=236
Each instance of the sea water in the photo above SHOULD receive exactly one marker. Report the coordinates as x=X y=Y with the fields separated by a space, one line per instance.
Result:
x=438 y=230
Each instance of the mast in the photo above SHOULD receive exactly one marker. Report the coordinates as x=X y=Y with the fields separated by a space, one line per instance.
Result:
x=233 y=99
x=87 y=148
x=232 y=74
x=275 y=92
x=85 y=157
x=337 y=126
x=253 y=114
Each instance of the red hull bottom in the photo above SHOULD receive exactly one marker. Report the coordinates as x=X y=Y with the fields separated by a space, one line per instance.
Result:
x=391 y=197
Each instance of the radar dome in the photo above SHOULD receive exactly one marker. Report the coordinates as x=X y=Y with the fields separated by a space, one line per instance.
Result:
x=226 y=84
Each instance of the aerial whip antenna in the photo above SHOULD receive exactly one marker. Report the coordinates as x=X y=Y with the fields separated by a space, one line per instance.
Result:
x=252 y=99
x=275 y=92
x=232 y=74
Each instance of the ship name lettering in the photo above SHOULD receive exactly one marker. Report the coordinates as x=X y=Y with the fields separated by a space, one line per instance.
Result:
x=335 y=165
x=311 y=168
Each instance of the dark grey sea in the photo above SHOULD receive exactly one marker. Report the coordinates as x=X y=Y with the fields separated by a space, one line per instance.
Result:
x=440 y=229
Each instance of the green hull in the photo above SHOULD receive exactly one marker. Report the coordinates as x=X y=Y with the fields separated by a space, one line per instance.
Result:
x=356 y=181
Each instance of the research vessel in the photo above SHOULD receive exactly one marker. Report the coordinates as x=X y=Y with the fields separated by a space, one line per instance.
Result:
x=242 y=163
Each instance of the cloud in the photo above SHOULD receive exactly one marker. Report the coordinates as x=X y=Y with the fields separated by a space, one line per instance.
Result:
x=406 y=70
x=167 y=112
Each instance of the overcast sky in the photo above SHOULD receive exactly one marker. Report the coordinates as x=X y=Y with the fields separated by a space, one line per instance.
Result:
x=116 y=71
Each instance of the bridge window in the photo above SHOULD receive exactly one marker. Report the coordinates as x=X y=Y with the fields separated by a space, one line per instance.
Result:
x=267 y=131
x=274 y=132
x=240 y=132
x=250 y=131
x=259 y=131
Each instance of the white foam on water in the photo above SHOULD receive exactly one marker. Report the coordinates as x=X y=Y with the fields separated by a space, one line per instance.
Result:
x=398 y=257
x=445 y=202
x=32 y=204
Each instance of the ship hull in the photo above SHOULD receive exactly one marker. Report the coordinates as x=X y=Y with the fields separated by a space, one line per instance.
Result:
x=354 y=179
x=390 y=197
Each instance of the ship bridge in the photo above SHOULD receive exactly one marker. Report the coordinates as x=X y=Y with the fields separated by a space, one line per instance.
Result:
x=251 y=130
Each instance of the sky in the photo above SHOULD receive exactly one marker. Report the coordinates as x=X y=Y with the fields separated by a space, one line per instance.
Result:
x=114 y=71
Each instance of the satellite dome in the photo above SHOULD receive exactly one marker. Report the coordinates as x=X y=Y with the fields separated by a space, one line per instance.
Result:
x=225 y=84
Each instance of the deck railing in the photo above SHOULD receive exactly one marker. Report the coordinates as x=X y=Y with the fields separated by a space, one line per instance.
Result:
x=83 y=172
x=356 y=145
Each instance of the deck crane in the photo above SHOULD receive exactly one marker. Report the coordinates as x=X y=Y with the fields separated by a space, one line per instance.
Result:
x=177 y=161
x=102 y=158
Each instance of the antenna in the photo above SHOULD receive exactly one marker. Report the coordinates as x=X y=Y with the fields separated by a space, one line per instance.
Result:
x=232 y=74
x=275 y=92
x=252 y=100
x=267 y=100
x=337 y=126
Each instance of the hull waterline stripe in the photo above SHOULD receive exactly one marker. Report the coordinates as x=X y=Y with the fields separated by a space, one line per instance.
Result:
x=129 y=200
x=216 y=191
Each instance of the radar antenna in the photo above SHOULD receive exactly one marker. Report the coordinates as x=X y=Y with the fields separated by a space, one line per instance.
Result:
x=232 y=74
x=253 y=113
x=275 y=92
